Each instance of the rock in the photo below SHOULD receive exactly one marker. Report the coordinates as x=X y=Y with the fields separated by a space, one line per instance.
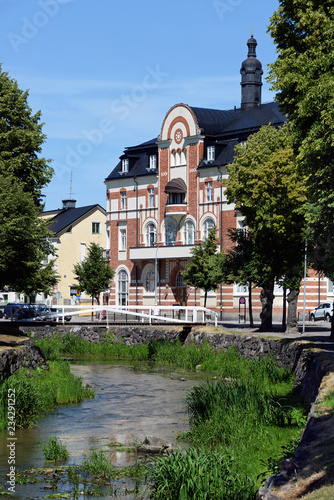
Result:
x=155 y=444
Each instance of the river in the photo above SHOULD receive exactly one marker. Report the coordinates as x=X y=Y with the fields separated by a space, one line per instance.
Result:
x=129 y=403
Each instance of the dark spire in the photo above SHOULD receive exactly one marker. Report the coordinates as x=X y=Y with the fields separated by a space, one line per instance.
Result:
x=251 y=78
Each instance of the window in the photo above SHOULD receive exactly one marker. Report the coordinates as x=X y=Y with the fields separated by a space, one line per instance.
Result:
x=208 y=225
x=241 y=288
x=96 y=228
x=125 y=165
x=153 y=162
x=210 y=153
x=123 y=200
x=151 y=235
x=209 y=191
x=176 y=198
x=150 y=281
x=123 y=288
x=170 y=233
x=189 y=233
x=151 y=197
x=179 y=281
x=122 y=239
x=82 y=251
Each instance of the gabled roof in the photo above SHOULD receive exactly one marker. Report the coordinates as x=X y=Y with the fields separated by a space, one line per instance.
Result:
x=65 y=218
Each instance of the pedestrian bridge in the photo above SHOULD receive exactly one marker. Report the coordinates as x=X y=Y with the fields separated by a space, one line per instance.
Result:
x=135 y=314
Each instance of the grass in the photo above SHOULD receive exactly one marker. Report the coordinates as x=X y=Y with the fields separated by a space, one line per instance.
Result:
x=40 y=391
x=54 y=450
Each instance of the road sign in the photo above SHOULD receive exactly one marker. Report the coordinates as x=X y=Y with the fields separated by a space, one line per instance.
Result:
x=242 y=300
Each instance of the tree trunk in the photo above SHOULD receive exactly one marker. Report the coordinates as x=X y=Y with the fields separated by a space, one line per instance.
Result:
x=267 y=299
x=250 y=305
x=205 y=297
x=92 y=315
x=292 y=322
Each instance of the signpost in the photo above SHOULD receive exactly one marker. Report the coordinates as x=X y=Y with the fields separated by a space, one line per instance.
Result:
x=242 y=302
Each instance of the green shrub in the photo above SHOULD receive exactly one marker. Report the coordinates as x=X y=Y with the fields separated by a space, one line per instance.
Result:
x=54 y=450
x=198 y=475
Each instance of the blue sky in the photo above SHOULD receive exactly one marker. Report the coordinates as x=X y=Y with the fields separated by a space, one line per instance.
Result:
x=104 y=73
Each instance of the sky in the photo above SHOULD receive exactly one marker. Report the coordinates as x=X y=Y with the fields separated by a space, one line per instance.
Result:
x=104 y=73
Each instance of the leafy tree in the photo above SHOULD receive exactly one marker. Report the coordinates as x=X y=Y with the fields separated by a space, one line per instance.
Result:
x=269 y=193
x=23 y=235
x=23 y=241
x=302 y=76
x=93 y=275
x=21 y=139
x=204 y=268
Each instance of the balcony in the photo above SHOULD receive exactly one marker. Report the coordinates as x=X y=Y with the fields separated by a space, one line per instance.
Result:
x=160 y=252
x=176 y=209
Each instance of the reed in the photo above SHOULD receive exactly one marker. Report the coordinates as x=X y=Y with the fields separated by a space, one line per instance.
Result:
x=54 y=450
x=39 y=391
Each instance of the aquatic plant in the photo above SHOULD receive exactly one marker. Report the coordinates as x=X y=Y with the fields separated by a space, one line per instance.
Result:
x=54 y=450
x=198 y=475
x=39 y=391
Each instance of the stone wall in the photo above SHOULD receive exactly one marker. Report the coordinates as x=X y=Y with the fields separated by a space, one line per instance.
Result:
x=25 y=354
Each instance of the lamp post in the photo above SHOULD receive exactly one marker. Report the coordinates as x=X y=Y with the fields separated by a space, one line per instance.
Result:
x=156 y=274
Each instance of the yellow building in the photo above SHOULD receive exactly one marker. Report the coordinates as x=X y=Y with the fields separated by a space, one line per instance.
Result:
x=74 y=229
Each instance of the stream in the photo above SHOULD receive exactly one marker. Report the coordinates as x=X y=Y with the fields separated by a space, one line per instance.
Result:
x=129 y=404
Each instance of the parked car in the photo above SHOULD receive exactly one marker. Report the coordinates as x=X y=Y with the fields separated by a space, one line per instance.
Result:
x=323 y=312
x=41 y=312
x=18 y=311
x=56 y=313
x=2 y=313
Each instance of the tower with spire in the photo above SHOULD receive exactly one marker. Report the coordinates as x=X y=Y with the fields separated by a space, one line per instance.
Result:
x=251 y=78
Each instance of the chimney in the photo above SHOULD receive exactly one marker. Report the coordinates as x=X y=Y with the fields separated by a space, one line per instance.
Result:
x=69 y=204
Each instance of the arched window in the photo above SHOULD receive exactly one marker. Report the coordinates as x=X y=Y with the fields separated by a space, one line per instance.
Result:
x=179 y=281
x=189 y=233
x=151 y=235
x=123 y=288
x=170 y=233
x=208 y=225
x=150 y=281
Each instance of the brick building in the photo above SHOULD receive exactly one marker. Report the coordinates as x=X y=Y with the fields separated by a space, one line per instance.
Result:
x=165 y=195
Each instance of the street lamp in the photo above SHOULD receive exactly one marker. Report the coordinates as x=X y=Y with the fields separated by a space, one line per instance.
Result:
x=156 y=274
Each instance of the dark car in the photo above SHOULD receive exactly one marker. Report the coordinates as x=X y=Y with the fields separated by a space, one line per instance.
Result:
x=18 y=311
x=56 y=312
x=9 y=309
x=41 y=312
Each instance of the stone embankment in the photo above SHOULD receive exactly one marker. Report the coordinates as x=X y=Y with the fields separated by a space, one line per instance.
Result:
x=17 y=350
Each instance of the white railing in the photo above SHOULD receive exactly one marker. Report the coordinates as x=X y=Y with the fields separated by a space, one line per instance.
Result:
x=166 y=314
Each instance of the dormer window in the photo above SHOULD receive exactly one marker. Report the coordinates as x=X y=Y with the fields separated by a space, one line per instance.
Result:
x=153 y=162
x=125 y=165
x=210 y=153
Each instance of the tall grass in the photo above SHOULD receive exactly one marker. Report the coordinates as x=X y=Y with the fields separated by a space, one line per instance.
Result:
x=40 y=391
x=198 y=475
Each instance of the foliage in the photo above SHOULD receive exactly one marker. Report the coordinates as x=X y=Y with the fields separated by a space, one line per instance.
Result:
x=21 y=140
x=23 y=175
x=23 y=241
x=54 y=450
x=302 y=76
x=198 y=475
x=271 y=195
x=94 y=273
x=98 y=465
x=40 y=392
x=204 y=267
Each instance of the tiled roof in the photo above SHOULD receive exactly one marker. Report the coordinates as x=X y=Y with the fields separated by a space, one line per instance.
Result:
x=224 y=128
x=65 y=218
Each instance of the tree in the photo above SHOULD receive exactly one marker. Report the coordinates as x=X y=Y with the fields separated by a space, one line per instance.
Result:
x=93 y=275
x=269 y=193
x=302 y=76
x=204 y=269
x=23 y=235
x=21 y=140
x=24 y=241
